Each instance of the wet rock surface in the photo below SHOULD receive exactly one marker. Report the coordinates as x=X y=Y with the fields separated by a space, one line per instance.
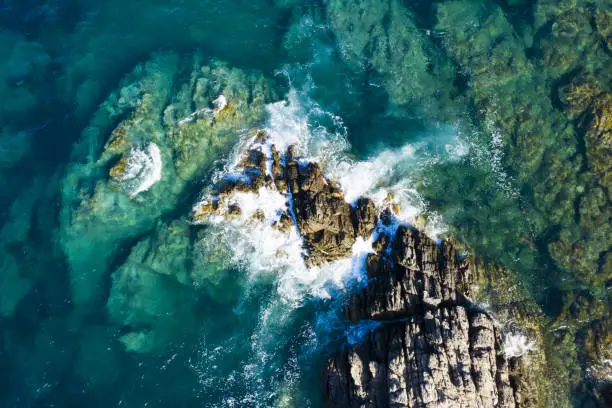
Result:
x=434 y=348
x=327 y=224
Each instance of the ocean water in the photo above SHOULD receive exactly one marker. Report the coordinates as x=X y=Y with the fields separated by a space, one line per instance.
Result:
x=482 y=120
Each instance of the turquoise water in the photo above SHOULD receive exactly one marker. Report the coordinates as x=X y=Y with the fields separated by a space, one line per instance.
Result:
x=468 y=111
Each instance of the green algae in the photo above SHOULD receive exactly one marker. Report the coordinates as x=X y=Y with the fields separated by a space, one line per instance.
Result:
x=541 y=376
x=568 y=210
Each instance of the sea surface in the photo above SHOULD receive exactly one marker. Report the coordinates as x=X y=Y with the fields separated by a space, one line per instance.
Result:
x=482 y=120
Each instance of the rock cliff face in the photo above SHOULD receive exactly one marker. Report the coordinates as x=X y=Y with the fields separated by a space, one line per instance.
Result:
x=434 y=347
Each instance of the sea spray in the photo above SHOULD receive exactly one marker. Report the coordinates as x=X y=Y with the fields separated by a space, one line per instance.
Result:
x=319 y=136
x=517 y=345
x=143 y=169
x=245 y=224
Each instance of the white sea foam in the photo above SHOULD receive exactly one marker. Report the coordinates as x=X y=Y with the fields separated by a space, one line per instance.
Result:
x=219 y=104
x=316 y=134
x=517 y=345
x=601 y=370
x=489 y=155
x=321 y=137
x=389 y=177
x=143 y=169
x=265 y=251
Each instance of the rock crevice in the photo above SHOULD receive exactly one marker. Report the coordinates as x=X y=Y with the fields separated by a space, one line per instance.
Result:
x=434 y=348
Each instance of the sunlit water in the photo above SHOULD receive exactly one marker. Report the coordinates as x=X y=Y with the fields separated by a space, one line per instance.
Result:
x=260 y=324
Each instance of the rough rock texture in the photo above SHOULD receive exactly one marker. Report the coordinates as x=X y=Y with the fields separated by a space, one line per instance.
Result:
x=323 y=217
x=434 y=349
x=327 y=224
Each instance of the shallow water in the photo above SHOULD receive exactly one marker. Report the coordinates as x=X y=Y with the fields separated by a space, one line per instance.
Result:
x=111 y=296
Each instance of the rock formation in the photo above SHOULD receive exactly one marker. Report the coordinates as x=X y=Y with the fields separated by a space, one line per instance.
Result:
x=327 y=224
x=434 y=347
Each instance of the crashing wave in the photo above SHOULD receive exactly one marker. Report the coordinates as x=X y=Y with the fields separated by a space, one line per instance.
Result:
x=143 y=169
x=256 y=222
x=320 y=136
x=517 y=345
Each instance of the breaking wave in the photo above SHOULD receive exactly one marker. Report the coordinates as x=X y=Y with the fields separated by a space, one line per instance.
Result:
x=388 y=178
x=143 y=169
x=250 y=239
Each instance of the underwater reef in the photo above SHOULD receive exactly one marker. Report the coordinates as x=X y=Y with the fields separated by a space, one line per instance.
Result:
x=162 y=130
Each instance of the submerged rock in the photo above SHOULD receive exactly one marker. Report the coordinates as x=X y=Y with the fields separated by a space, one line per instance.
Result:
x=383 y=38
x=548 y=104
x=154 y=292
x=147 y=143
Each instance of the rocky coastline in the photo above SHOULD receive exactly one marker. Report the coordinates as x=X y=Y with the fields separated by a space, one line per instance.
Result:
x=433 y=346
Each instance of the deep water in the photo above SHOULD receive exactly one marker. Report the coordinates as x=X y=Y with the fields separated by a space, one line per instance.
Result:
x=487 y=121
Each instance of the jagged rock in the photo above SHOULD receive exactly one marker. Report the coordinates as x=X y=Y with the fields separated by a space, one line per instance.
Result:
x=284 y=222
x=365 y=217
x=327 y=224
x=434 y=348
x=323 y=217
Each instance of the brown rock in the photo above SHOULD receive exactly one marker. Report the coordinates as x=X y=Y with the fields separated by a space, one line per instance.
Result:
x=365 y=217
x=434 y=348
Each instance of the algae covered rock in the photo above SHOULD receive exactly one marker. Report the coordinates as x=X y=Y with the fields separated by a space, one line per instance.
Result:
x=590 y=105
x=154 y=293
x=603 y=21
x=582 y=247
x=151 y=292
x=542 y=145
x=383 y=37
x=161 y=131
x=540 y=378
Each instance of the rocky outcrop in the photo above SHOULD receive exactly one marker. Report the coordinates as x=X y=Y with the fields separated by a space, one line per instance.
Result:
x=327 y=224
x=434 y=348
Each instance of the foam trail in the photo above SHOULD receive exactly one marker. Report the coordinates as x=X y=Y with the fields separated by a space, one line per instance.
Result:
x=143 y=169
